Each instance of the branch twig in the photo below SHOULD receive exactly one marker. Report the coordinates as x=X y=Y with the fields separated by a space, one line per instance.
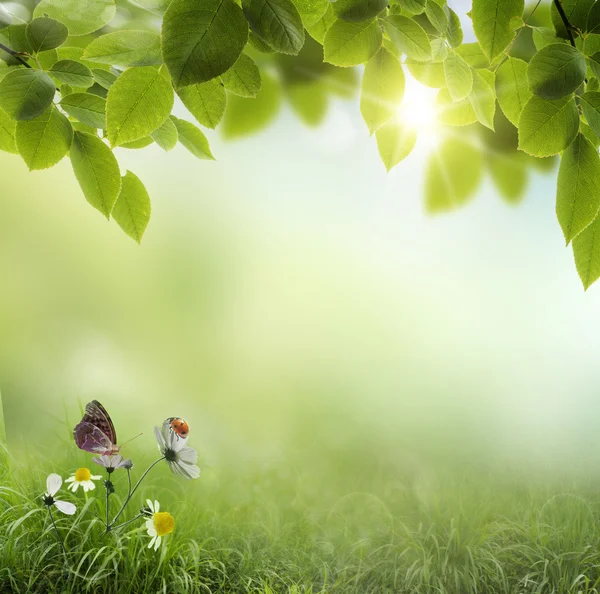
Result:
x=15 y=55
x=565 y=20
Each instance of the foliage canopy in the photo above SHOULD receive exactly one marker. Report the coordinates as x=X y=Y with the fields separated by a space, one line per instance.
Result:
x=524 y=93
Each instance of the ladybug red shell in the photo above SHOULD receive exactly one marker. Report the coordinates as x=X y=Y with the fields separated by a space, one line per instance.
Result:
x=179 y=426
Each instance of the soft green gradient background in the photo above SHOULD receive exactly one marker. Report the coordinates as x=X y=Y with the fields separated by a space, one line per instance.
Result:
x=294 y=303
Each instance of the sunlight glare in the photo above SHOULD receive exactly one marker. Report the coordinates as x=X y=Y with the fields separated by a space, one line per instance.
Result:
x=418 y=111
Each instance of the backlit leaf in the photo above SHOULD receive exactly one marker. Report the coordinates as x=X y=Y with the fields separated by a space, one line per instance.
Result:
x=395 y=141
x=277 y=22
x=491 y=23
x=45 y=33
x=26 y=93
x=192 y=139
x=556 y=71
x=166 y=136
x=72 y=73
x=88 y=109
x=586 y=249
x=408 y=36
x=243 y=78
x=512 y=88
x=205 y=101
x=459 y=78
x=132 y=208
x=80 y=16
x=350 y=44
x=125 y=48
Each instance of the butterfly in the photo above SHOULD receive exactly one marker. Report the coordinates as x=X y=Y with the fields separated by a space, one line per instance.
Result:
x=96 y=433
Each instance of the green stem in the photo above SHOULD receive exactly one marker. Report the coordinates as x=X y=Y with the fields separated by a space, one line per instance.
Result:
x=132 y=491
x=107 y=498
x=15 y=55
x=62 y=544
x=128 y=522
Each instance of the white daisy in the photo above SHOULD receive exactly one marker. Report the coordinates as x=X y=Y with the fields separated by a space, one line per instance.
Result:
x=83 y=477
x=180 y=458
x=114 y=462
x=53 y=484
x=159 y=524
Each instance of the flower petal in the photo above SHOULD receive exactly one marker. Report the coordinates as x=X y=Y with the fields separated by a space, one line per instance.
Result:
x=189 y=455
x=156 y=506
x=150 y=505
x=53 y=483
x=160 y=439
x=65 y=507
x=152 y=541
x=70 y=479
x=157 y=543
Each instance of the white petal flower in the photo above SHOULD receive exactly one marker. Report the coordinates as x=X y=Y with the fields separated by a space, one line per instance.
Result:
x=84 y=478
x=158 y=525
x=65 y=507
x=53 y=484
x=180 y=458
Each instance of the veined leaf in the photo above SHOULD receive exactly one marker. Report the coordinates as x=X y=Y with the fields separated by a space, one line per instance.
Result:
x=72 y=73
x=590 y=104
x=312 y=11
x=350 y=44
x=45 y=140
x=80 y=16
x=548 y=127
x=483 y=99
x=491 y=23
x=452 y=113
x=430 y=74
x=576 y=12
x=318 y=30
x=7 y=133
x=454 y=32
x=125 y=48
x=413 y=6
x=277 y=22
x=138 y=102
x=103 y=78
x=206 y=102
x=512 y=88
x=243 y=78
x=45 y=33
x=132 y=208
x=473 y=55
x=96 y=170
x=578 y=187
x=193 y=139
x=543 y=36
x=459 y=78
x=453 y=174
x=88 y=109
x=408 y=36
x=437 y=16
x=358 y=10
x=395 y=141
x=166 y=136
x=26 y=93
x=202 y=39
x=586 y=249
x=382 y=89
x=556 y=71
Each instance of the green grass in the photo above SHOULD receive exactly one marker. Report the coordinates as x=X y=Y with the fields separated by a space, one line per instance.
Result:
x=271 y=529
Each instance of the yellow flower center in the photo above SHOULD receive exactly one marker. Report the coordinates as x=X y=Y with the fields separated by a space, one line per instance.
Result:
x=163 y=523
x=82 y=474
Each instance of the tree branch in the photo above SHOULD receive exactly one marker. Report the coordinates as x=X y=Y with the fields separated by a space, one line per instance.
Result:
x=565 y=20
x=15 y=55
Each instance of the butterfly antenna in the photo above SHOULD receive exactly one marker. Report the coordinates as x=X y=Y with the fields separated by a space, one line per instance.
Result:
x=126 y=442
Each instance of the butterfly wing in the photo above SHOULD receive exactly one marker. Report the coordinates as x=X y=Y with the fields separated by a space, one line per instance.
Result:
x=96 y=414
x=96 y=432
x=90 y=438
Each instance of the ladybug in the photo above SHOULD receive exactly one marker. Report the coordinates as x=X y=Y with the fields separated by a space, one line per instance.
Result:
x=179 y=427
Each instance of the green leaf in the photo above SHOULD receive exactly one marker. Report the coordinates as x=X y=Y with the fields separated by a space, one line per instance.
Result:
x=459 y=77
x=320 y=28
x=45 y=33
x=509 y=174
x=138 y=102
x=88 y=109
x=312 y=11
x=7 y=133
x=578 y=187
x=132 y=208
x=140 y=143
x=72 y=73
x=358 y=10
x=166 y=136
x=202 y=39
x=103 y=78
x=451 y=113
x=45 y=140
x=483 y=99
x=576 y=11
x=395 y=141
x=206 y=102
x=586 y=249
x=590 y=104
x=594 y=62
x=26 y=93
x=413 y=7
x=437 y=16
x=548 y=127
x=556 y=71
x=80 y=16
x=454 y=32
x=243 y=78
x=428 y=74
x=408 y=36
x=349 y=44
x=125 y=48
x=277 y=22
x=512 y=88
x=543 y=36
x=593 y=19
x=382 y=89
x=453 y=174
x=193 y=139
x=491 y=23
x=96 y=170
x=308 y=100
x=247 y=116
